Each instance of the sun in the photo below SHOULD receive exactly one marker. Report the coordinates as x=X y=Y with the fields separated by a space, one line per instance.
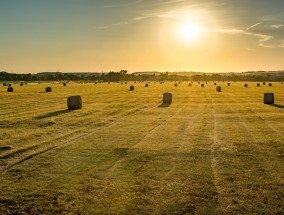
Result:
x=189 y=31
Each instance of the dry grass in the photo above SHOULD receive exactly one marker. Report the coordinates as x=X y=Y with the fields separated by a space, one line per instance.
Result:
x=124 y=153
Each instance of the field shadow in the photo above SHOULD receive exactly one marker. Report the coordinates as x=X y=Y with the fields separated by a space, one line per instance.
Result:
x=277 y=105
x=51 y=114
x=163 y=105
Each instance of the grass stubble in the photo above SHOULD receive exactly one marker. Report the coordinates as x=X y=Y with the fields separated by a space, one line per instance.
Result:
x=124 y=153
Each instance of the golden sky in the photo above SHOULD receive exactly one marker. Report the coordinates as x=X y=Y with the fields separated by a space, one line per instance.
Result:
x=141 y=35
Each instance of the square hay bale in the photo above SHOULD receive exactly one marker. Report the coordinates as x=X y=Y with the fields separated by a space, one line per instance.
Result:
x=131 y=88
x=229 y=84
x=48 y=89
x=167 y=98
x=5 y=84
x=10 y=89
x=202 y=85
x=21 y=84
x=74 y=102
x=219 y=89
x=246 y=85
x=268 y=98
x=146 y=85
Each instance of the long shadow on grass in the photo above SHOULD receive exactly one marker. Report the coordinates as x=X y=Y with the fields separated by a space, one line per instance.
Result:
x=55 y=113
x=277 y=105
x=163 y=105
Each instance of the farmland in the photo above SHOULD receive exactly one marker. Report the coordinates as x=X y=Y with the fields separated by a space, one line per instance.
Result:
x=125 y=152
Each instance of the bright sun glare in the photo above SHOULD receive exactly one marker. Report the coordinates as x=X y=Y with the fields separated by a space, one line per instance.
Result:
x=189 y=31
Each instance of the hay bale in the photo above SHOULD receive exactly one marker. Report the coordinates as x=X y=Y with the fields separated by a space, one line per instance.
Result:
x=263 y=83
x=270 y=84
x=215 y=84
x=146 y=85
x=74 y=102
x=229 y=84
x=10 y=89
x=131 y=88
x=5 y=148
x=189 y=85
x=268 y=98
x=219 y=89
x=21 y=84
x=202 y=85
x=246 y=85
x=9 y=85
x=64 y=84
x=5 y=84
x=258 y=84
x=167 y=98
x=48 y=89
x=176 y=85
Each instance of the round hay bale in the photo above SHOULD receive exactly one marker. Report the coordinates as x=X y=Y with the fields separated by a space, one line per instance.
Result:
x=268 y=98
x=270 y=84
x=246 y=85
x=189 y=85
x=176 y=85
x=64 y=84
x=9 y=85
x=48 y=89
x=219 y=89
x=5 y=148
x=258 y=84
x=21 y=84
x=215 y=84
x=167 y=98
x=74 y=102
x=131 y=88
x=229 y=84
x=146 y=85
x=5 y=84
x=202 y=85
x=10 y=89
x=263 y=83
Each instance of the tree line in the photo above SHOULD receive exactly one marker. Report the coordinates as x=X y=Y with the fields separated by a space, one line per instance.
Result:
x=124 y=76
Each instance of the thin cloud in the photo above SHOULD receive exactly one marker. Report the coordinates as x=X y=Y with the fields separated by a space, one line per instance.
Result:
x=276 y=26
x=253 y=26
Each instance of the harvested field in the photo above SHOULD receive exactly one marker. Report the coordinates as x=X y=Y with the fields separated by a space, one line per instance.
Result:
x=126 y=153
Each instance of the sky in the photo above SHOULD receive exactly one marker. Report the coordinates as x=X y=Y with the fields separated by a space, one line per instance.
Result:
x=141 y=35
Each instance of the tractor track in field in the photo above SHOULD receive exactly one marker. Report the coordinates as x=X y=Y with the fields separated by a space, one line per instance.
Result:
x=151 y=132
x=252 y=140
x=266 y=123
x=259 y=148
x=213 y=160
x=74 y=135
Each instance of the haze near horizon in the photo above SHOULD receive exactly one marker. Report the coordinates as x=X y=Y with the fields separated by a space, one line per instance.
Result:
x=141 y=35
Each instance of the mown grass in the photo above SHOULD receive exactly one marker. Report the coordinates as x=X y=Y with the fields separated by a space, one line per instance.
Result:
x=124 y=153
